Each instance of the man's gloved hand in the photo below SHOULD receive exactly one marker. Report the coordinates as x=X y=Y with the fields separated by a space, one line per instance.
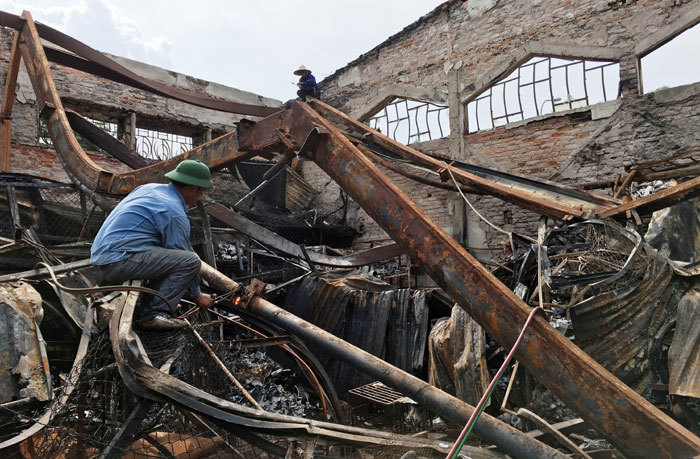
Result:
x=204 y=301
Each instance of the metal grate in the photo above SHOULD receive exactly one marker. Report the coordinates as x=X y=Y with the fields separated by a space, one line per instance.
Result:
x=379 y=393
x=409 y=121
x=543 y=85
x=159 y=145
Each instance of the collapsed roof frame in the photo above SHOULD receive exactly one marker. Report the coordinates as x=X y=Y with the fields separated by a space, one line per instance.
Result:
x=631 y=423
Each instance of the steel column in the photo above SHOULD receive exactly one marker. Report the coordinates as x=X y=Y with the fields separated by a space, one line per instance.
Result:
x=631 y=423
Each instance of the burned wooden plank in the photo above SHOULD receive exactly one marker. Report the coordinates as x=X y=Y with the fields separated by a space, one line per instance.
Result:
x=8 y=100
x=659 y=200
x=209 y=255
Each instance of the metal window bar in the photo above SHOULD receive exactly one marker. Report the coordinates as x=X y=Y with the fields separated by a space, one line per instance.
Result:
x=109 y=128
x=409 y=121
x=158 y=145
x=540 y=97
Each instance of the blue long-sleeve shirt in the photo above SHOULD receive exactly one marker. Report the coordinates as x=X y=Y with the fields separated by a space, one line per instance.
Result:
x=308 y=82
x=152 y=215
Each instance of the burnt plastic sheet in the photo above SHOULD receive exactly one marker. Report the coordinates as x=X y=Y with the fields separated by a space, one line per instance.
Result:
x=368 y=313
x=21 y=363
x=456 y=347
x=684 y=353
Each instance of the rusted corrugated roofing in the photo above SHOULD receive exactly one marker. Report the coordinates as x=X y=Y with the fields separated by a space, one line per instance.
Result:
x=358 y=308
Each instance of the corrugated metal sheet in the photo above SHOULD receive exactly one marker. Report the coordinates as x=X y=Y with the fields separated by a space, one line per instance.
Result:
x=299 y=193
x=622 y=322
x=368 y=313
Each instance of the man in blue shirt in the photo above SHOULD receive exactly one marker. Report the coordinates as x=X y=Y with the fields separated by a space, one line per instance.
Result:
x=147 y=237
x=307 y=84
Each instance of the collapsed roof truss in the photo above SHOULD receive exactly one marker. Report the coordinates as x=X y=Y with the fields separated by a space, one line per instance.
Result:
x=331 y=139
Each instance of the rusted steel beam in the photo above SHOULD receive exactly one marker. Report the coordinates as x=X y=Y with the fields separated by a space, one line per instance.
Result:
x=105 y=141
x=630 y=422
x=662 y=198
x=8 y=100
x=490 y=429
x=96 y=63
x=545 y=198
x=216 y=154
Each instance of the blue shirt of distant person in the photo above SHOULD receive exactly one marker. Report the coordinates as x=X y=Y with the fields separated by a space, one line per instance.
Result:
x=307 y=84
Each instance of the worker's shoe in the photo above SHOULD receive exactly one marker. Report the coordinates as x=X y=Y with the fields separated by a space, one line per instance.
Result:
x=161 y=322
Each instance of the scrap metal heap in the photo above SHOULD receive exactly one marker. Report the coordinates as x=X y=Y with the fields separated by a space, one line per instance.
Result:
x=241 y=381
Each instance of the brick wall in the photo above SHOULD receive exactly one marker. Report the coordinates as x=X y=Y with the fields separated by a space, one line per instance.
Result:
x=102 y=99
x=462 y=46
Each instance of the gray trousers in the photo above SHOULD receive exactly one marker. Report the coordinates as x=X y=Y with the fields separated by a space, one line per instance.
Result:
x=170 y=271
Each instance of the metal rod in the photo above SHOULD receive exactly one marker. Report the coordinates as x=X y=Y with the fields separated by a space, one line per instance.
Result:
x=221 y=365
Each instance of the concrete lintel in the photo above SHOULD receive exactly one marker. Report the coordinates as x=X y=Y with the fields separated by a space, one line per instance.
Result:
x=390 y=92
x=598 y=111
x=664 y=96
x=669 y=31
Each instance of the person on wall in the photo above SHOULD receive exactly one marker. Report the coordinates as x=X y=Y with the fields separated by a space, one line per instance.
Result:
x=307 y=84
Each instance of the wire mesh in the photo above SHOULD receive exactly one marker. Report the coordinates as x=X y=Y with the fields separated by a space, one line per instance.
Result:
x=57 y=212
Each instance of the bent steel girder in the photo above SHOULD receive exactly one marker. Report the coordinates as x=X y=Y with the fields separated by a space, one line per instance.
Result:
x=94 y=62
x=216 y=154
x=149 y=382
x=630 y=422
x=544 y=197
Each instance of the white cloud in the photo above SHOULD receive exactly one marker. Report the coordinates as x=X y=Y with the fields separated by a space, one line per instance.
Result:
x=101 y=25
x=249 y=45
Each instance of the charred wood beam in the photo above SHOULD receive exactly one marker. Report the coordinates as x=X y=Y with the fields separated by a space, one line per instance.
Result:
x=659 y=200
x=105 y=141
x=490 y=429
x=8 y=100
x=630 y=422
x=125 y=435
x=209 y=253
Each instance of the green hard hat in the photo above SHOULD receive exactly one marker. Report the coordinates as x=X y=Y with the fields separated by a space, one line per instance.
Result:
x=191 y=172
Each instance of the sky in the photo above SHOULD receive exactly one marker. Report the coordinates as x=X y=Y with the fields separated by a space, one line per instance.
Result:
x=250 y=45
x=255 y=45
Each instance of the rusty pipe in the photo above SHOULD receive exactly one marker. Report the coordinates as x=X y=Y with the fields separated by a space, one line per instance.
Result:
x=487 y=427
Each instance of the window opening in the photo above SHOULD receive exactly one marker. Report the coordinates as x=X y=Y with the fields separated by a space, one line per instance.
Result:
x=410 y=121
x=159 y=145
x=671 y=64
x=543 y=85
x=109 y=128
